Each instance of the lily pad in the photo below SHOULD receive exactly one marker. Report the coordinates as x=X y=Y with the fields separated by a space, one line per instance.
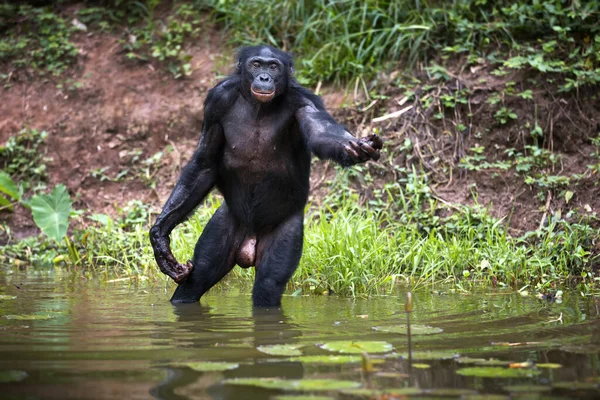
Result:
x=498 y=372
x=327 y=359
x=29 y=317
x=208 y=366
x=348 y=346
x=281 y=349
x=426 y=355
x=421 y=366
x=12 y=376
x=482 y=361
x=7 y=297
x=527 y=388
x=289 y=384
x=451 y=392
x=414 y=329
x=576 y=385
x=548 y=365
x=302 y=397
x=469 y=360
x=373 y=393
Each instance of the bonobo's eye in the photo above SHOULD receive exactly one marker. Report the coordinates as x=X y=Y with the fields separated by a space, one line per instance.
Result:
x=273 y=67
x=256 y=64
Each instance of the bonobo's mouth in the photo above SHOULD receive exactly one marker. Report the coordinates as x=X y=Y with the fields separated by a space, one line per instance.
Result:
x=263 y=96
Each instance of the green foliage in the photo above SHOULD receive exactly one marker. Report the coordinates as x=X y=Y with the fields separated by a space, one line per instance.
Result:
x=51 y=212
x=8 y=191
x=22 y=157
x=36 y=38
x=349 y=39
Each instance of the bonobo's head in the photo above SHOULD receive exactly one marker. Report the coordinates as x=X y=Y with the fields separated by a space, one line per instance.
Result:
x=265 y=71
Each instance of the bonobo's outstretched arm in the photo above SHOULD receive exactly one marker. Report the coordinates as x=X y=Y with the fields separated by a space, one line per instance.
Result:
x=197 y=179
x=329 y=140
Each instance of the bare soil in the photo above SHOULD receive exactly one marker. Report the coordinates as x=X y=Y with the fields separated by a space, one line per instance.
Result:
x=126 y=111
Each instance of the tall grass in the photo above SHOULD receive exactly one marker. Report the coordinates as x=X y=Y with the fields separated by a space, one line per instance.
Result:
x=343 y=40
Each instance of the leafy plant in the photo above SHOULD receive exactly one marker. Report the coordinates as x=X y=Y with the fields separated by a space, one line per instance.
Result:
x=51 y=212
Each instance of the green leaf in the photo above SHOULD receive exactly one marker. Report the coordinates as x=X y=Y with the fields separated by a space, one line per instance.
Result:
x=357 y=347
x=414 y=329
x=296 y=385
x=281 y=349
x=207 y=366
x=327 y=359
x=8 y=186
x=51 y=212
x=498 y=372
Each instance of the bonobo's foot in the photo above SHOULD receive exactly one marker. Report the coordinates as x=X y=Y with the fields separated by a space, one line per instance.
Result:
x=366 y=148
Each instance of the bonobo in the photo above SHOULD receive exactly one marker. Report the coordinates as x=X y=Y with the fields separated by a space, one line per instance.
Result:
x=260 y=127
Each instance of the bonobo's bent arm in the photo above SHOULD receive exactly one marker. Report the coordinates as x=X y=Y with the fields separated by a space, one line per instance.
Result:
x=329 y=140
x=197 y=179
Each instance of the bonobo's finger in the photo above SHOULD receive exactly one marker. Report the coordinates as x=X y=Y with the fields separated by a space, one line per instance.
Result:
x=184 y=272
x=353 y=153
x=376 y=141
x=365 y=147
x=362 y=154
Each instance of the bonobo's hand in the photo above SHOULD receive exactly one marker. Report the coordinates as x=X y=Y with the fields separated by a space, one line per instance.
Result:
x=165 y=259
x=366 y=148
x=177 y=271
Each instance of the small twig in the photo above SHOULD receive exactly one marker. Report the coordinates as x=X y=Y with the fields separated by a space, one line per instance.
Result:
x=395 y=114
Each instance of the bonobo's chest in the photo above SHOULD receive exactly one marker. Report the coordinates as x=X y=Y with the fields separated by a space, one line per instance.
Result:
x=252 y=133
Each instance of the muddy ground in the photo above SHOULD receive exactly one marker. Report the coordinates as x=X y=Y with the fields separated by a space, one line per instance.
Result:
x=125 y=112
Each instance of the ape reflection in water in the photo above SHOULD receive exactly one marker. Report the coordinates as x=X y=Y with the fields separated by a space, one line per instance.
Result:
x=260 y=129
x=217 y=337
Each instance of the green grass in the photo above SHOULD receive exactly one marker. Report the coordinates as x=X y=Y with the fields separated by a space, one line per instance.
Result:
x=354 y=250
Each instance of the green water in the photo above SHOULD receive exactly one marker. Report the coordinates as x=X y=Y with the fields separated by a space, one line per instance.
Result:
x=119 y=340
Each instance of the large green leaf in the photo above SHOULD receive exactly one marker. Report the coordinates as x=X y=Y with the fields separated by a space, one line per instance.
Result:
x=51 y=212
x=8 y=186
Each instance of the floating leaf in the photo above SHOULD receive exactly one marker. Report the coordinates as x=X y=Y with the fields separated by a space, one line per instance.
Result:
x=498 y=372
x=391 y=374
x=426 y=355
x=281 y=349
x=527 y=388
x=208 y=366
x=12 y=376
x=289 y=384
x=29 y=317
x=421 y=366
x=414 y=329
x=373 y=393
x=450 y=392
x=51 y=212
x=469 y=360
x=301 y=397
x=7 y=297
x=346 y=346
x=327 y=359
x=548 y=365
x=576 y=385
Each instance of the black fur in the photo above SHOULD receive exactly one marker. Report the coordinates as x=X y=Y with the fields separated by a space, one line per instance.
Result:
x=257 y=153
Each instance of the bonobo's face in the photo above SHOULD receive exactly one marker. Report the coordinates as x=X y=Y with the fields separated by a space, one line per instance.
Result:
x=266 y=74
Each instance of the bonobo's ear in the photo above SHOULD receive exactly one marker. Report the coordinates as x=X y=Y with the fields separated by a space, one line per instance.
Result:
x=238 y=66
x=291 y=70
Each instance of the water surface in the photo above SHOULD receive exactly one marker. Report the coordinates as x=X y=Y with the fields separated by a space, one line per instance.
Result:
x=123 y=340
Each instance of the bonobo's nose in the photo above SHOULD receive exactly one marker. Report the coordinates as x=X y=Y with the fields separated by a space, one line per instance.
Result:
x=264 y=78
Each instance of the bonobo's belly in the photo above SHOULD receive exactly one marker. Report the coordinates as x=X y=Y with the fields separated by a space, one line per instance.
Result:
x=262 y=199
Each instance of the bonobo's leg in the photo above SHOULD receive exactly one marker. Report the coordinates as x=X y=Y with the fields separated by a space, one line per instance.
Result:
x=279 y=253
x=213 y=257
